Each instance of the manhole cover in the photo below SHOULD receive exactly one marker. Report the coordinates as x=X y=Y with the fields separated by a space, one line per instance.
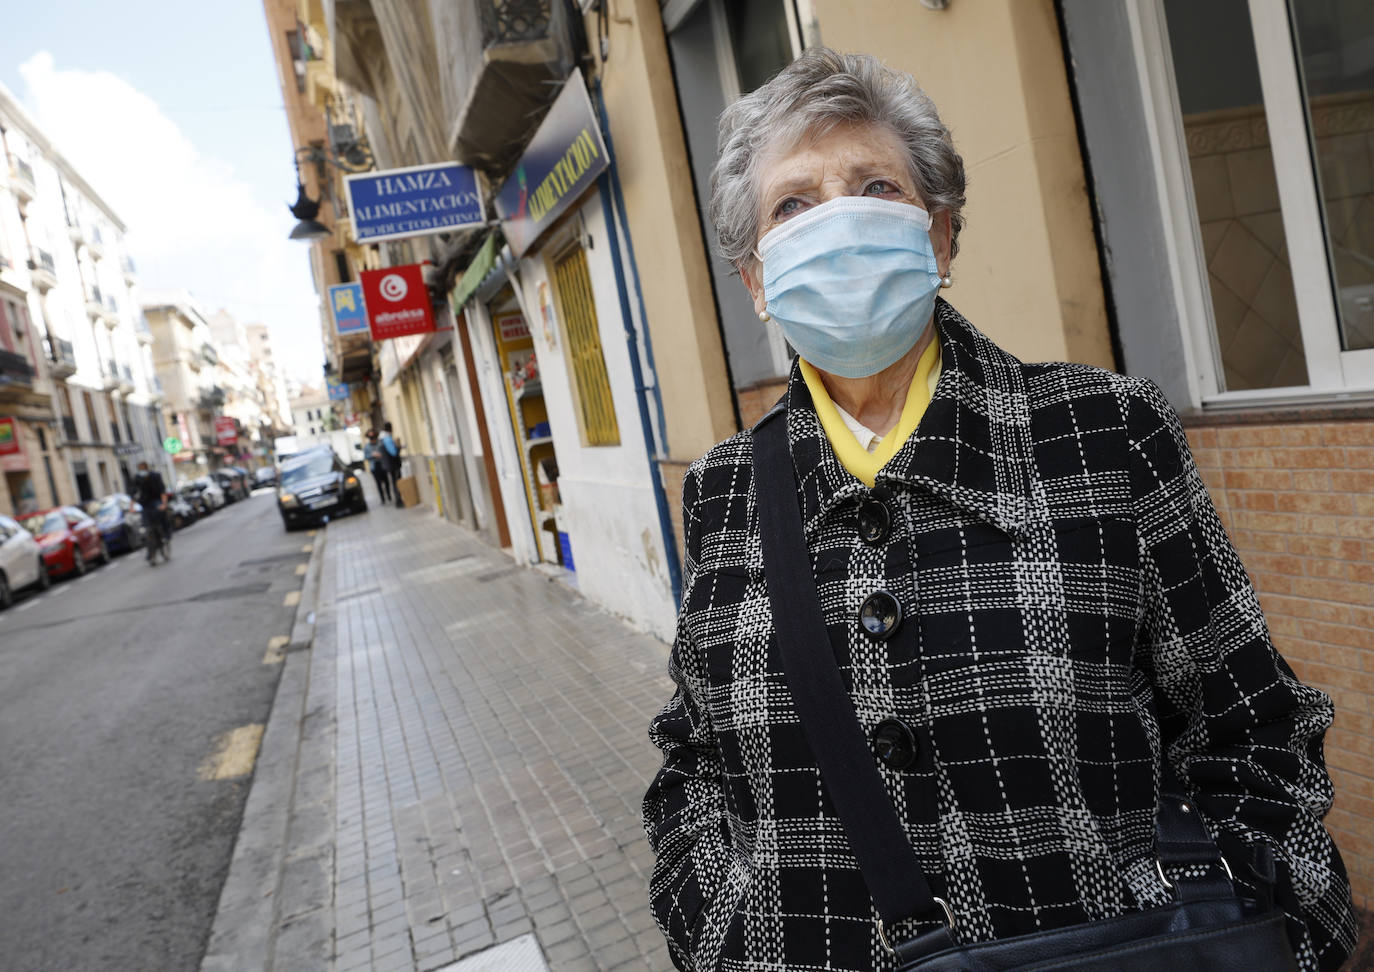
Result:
x=225 y=593
x=517 y=955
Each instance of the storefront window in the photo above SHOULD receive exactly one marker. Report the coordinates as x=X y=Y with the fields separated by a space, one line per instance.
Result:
x=1254 y=310
x=1335 y=41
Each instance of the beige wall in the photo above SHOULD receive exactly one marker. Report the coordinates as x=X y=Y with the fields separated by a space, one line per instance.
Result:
x=656 y=180
x=1027 y=271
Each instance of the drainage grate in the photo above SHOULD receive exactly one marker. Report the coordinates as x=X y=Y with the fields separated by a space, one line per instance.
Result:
x=226 y=593
x=517 y=955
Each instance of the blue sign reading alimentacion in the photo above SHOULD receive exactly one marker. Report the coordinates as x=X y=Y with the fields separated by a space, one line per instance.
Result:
x=413 y=201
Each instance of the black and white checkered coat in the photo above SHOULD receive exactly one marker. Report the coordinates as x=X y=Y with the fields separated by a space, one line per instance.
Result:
x=1073 y=612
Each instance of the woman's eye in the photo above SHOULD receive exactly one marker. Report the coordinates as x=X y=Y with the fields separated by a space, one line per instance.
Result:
x=788 y=207
x=880 y=187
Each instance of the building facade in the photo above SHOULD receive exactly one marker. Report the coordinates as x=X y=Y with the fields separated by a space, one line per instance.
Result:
x=78 y=387
x=1174 y=190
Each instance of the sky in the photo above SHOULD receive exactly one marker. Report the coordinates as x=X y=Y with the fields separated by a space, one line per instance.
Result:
x=173 y=114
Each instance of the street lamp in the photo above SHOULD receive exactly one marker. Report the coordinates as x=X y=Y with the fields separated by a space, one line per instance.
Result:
x=305 y=210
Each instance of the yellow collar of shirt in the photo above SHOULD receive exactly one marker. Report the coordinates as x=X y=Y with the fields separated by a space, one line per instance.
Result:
x=861 y=463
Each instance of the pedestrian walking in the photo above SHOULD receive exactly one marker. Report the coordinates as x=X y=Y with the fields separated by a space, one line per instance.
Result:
x=393 y=456
x=379 y=463
x=969 y=674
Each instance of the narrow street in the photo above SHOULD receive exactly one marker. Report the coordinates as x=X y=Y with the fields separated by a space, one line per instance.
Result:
x=115 y=689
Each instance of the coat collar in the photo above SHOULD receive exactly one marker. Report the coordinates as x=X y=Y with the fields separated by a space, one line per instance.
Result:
x=972 y=447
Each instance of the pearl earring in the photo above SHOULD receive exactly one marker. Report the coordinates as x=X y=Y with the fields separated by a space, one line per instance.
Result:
x=946 y=281
x=765 y=316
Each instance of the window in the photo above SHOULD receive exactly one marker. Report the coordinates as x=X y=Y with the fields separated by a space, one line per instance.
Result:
x=91 y=421
x=592 y=387
x=1266 y=131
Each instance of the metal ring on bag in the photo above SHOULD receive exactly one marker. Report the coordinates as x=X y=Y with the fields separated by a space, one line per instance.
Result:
x=882 y=932
x=1169 y=885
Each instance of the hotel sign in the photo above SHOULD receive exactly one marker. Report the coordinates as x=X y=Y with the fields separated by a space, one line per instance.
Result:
x=563 y=159
x=414 y=201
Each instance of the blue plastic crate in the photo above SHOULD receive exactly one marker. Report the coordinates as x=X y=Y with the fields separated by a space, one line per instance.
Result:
x=565 y=550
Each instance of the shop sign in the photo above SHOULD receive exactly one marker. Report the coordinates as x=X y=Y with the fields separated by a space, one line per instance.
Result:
x=413 y=201
x=346 y=304
x=563 y=159
x=513 y=327
x=226 y=430
x=9 y=437
x=338 y=391
x=171 y=445
x=397 y=302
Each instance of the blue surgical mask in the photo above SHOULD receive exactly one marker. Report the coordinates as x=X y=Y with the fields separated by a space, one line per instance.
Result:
x=851 y=282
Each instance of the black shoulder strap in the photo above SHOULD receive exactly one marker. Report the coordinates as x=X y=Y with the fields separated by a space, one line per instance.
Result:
x=886 y=859
x=889 y=865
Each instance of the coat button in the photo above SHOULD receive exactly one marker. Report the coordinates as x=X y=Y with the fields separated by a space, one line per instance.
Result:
x=874 y=522
x=894 y=743
x=880 y=614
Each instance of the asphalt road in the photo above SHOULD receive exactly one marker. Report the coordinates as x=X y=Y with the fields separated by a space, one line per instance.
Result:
x=117 y=691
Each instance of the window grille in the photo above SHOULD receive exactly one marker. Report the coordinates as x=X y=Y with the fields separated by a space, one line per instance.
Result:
x=596 y=409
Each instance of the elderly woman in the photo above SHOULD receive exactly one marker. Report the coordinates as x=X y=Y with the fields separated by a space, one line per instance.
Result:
x=1037 y=619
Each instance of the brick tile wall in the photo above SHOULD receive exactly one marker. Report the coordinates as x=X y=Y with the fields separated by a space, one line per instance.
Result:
x=1298 y=500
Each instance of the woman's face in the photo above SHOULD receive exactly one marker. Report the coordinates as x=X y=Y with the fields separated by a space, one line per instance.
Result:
x=849 y=160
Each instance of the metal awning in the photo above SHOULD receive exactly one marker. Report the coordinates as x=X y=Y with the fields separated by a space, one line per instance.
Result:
x=476 y=272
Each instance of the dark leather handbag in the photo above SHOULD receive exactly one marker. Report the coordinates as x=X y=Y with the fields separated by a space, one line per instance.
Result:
x=1207 y=927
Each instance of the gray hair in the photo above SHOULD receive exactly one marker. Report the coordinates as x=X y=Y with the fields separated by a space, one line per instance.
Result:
x=812 y=95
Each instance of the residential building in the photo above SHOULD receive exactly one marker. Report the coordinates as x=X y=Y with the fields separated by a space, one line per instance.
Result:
x=314 y=416
x=245 y=401
x=188 y=368
x=78 y=386
x=271 y=383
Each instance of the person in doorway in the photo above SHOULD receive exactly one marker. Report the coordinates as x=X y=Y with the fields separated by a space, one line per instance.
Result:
x=1035 y=617
x=380 y=463
x=150 y=492
x=393 y=459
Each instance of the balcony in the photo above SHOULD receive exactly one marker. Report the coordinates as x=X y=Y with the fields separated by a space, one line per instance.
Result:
x=126 y=380
x=16 y=376
x=143 y=331
x=155 y=386
x=61 y=358
x=111 y=314
x=130 y=271
x=22 y=183
x=95 y=303
x=210 y=399
x=511 y=69
x=74 y=231
x=208 y=355
x=42 y=270
x=96 y=244
x=109 y=375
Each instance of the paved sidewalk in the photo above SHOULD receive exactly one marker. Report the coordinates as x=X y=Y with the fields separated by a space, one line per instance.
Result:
x=471 y=756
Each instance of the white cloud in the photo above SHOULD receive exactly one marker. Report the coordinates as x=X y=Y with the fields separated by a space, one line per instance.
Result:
x=191 y=222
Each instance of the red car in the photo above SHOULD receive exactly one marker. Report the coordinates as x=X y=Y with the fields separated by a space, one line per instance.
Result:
x=70 y=540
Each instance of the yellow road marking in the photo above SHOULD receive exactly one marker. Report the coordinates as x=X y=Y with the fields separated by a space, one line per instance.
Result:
x=308 y=548
x=301 y=569
x=311 y=533
x=275 y=649
x=233 y=754
x=292 y=599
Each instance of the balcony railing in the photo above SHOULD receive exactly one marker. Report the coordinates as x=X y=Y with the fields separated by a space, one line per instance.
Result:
x=130 y=271
x=61 y=357
x=504 y=74
x=15 y=370
x=143 y=330
x=111 y=374
x=22 y=180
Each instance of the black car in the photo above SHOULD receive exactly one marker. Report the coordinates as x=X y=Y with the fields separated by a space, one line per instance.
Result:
x=315 y=485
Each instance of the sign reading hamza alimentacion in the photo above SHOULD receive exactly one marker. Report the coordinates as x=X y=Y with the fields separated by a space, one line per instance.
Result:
x=562 y=160
x=414 y=201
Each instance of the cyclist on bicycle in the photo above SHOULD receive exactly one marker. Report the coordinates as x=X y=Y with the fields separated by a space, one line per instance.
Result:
x=151 y=493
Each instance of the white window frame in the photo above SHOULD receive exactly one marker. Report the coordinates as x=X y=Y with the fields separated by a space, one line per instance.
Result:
x=1332 y=373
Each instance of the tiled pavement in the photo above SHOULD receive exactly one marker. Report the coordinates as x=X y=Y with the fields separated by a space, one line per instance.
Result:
x=489 y=755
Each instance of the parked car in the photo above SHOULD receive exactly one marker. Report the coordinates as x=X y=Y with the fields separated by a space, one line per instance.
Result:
x=21 y=561
x=193 y=497
x=315 y=484
x=233 y=483
x=120 y=520
x=264 y=476
x=208 y=489
x=183 y=514
x=69 y=539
